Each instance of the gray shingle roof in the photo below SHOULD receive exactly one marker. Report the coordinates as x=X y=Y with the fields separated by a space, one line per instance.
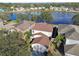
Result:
x=24 y=25
x=65 y=28
x=67 y=47
x=74 y=36
x=74 y=50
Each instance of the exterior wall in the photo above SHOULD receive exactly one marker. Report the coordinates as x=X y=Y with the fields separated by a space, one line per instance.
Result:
x=44 y=32
x=71 y=42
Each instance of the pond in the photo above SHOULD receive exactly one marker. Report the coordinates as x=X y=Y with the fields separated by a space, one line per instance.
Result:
x=58 y=17
x=62 y=18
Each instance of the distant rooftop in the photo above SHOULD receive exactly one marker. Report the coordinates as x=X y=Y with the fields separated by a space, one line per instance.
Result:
x=24 y=25
x=43 y=27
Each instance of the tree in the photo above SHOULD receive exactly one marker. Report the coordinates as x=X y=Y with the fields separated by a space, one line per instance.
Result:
x=22 y=17
x=76 y=19
x=12 y=44
x=4 y=17
x=27 y=35
x=46 y=15
x=34 y=17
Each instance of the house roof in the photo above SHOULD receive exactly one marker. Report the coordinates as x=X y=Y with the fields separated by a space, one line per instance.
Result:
x=24 y=25
x=65 y=28
x=43 y=40
x=74 y=35
x=43 y=27
x=70 y=31
x=74 y=50
x=67 y=47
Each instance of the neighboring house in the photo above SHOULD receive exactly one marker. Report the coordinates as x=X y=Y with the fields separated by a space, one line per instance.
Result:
x=67 y=47
x=40 y=38
x=36 y=8
x=72 y=39
x=76 y=9
x=43 y=28
x=74 y=36
x=72 y=51
x=19 y=9
x=62 y=8
x=40 y=43
x=24 y=26
x=76 y=28
x=65 y=29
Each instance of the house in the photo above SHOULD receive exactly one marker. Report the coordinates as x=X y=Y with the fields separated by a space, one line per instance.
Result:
x=24 y=26
x=76 y=28
x=67 y=47
x=40 y=43
x=73 y=50
x=43 y=28
x=76 y=9
x=74 y=36
x=19 y=8
x=67 y=29
x=40 y=39
x=39 y=8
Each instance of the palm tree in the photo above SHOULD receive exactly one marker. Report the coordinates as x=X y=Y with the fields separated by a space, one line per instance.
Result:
x=76 y=19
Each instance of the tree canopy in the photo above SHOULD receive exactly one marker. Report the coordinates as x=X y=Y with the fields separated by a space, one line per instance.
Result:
x=12 y=44
x=46 y=15
x=76 y=19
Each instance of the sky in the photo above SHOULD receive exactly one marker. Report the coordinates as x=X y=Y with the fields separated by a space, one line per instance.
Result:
x=35 y=1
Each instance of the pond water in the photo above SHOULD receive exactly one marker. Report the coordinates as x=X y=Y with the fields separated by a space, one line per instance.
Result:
x=58 y=17
x=62 y=18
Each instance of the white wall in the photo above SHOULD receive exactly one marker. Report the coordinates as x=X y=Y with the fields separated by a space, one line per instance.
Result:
x=71 y=41
x=46 y=33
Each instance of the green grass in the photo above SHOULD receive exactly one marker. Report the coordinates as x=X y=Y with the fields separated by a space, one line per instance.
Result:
x=2 y=28
x=14 y=21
